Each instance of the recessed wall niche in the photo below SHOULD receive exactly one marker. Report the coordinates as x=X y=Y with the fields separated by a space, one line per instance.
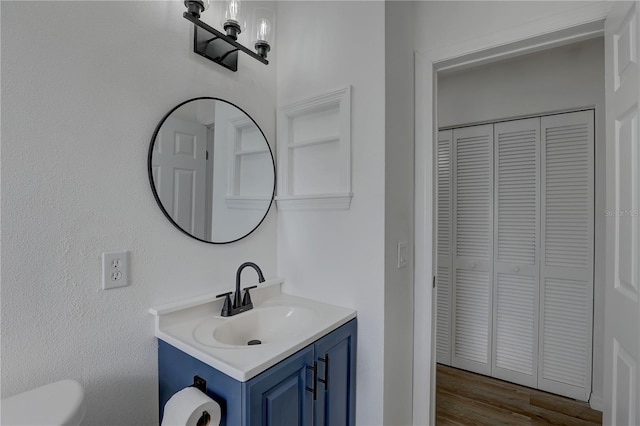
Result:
x=247 y=165
x=314 y=153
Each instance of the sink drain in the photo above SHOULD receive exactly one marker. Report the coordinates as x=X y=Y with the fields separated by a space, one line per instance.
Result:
x=254 y=342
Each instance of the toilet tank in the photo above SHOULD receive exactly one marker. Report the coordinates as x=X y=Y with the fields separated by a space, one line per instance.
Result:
x=57 y=404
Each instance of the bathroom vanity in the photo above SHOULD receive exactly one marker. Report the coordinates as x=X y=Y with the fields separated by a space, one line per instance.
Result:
x=302 y=372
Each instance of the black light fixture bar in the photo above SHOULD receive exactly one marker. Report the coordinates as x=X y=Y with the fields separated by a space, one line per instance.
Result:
x=217 y=46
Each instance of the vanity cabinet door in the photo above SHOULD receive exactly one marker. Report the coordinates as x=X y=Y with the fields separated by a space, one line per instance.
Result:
x=336 y=358
x=279 y=396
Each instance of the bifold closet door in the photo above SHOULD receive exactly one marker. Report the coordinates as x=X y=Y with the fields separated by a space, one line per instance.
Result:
x=472 y=248
x=516 y=231
x=444 y=245
x=566 y=271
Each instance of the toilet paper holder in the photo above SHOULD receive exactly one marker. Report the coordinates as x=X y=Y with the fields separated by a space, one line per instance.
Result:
x=204 y=420
x=200 y=384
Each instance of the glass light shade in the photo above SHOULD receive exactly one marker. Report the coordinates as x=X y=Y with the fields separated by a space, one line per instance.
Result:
x=263 y=30
x=263 y=25
x=233 y=13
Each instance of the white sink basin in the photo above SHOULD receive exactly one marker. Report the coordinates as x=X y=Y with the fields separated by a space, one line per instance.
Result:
x=265 y=325
x=282 y=323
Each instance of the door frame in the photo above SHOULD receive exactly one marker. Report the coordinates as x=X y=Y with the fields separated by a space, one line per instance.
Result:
x=569 y=27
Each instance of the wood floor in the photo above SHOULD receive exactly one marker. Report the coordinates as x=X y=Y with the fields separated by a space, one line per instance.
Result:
x=464 y=398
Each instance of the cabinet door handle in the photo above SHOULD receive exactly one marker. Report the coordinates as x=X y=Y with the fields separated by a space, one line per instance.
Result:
x=325 y=381
x=314 y=389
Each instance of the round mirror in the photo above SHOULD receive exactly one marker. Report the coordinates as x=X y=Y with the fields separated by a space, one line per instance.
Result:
x=211 y=170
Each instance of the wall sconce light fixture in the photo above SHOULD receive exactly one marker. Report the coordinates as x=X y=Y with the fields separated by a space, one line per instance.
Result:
x=264 y=21
x=222 y=48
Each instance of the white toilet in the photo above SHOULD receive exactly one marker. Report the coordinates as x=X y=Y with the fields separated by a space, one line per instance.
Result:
x=56 y=404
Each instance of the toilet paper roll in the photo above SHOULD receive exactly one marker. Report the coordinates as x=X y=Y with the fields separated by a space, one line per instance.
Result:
x=187 y=406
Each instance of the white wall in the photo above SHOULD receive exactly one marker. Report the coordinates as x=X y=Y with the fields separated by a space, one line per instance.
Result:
x=562 y=78
x=338 y=256
x=447 y=23
x=83 y=86
x=558 y=79
x=398 y=290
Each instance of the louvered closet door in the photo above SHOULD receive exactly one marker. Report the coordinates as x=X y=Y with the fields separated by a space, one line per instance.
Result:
x=444 y=249
x=473 y=246
x=566 y=273
x=516 y=230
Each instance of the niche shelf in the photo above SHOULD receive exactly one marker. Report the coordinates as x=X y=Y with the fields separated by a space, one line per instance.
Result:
x=246 y=164
x=314 y=153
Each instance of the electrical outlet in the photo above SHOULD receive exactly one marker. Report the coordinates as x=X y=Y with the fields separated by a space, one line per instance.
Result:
x=115 y=266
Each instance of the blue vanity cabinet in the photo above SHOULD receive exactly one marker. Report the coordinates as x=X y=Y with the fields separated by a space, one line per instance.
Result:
x=283 y=395
x=336 y=360
x=280 y=396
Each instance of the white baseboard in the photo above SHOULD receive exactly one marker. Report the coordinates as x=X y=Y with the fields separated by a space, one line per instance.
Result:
x=596 y=402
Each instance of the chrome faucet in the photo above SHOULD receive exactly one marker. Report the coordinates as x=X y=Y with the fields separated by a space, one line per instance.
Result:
x=240 y=304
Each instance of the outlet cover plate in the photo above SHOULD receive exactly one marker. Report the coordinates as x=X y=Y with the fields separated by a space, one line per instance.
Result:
x=115 y=269
x=403 y=254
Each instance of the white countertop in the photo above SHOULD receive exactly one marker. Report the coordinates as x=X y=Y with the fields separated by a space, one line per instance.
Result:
x=176 y=323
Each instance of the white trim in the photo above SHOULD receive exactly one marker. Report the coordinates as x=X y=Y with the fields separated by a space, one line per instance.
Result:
x=251 y=151
x=247 y=202
x=545 y=41
x=596 y=402
x=571 y=26
x=315 y=202
x=315 y=103
x=317 y=141
x=567 y=27
x=423 y=314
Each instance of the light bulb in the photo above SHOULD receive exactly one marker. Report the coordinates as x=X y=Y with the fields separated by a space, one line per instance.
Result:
x=263 y=30
x=233 y=22
x=263 y=26
x=233 y=10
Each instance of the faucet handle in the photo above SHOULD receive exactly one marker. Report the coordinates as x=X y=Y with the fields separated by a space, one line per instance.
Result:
x=246 y=299
x=226 y=306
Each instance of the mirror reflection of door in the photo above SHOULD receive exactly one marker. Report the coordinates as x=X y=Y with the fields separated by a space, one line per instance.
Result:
x=180 y=170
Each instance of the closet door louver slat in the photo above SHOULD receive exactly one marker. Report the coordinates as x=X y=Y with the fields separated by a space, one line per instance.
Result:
x=444 y=259
x=566 y=272
x=472 y=248
x=516 y=225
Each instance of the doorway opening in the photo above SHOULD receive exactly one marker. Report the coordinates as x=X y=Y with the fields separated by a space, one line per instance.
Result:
x=429 y=66
x=515 y=223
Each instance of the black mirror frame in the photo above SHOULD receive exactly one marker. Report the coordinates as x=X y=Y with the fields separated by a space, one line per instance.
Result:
x=153 y=187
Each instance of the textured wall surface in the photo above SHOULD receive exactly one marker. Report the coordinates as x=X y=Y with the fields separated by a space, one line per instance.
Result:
x=338 y=256
x=83 y=86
